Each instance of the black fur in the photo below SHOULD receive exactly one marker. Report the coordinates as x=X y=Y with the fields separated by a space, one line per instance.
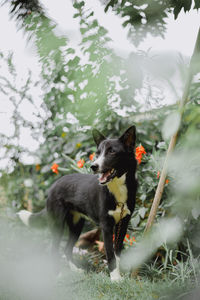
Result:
x=83 y=193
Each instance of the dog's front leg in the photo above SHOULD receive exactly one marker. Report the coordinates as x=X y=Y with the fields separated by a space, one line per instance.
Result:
x=120 y=234
x=119 y=237
x=112 y=264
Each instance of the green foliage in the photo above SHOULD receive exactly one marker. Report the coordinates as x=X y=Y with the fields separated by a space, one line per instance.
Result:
x=90 y=86
x=21 y=9
x=17 y=95
x=148 y=16
x=78 y=84
x=26 y=260
x=141 y=16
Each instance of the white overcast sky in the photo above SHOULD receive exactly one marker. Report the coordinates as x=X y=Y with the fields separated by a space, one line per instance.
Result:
x=180 y=36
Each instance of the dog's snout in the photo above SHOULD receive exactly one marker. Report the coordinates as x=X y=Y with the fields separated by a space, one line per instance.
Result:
x=94 y=167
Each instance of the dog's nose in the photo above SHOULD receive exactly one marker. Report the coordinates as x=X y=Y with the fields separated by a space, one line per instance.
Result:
x=94 y=167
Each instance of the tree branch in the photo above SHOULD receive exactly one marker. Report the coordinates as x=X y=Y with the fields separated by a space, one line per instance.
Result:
x=161 y=184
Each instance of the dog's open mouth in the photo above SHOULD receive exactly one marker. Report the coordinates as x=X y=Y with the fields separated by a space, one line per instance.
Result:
x=107 y=176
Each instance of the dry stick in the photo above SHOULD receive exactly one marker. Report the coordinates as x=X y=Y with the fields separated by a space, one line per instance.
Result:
x=161 y=184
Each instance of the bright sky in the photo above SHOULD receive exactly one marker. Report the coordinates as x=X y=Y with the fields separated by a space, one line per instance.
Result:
x=180 y=36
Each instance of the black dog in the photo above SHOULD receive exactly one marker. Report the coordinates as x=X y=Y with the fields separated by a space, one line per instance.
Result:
x=107 y=198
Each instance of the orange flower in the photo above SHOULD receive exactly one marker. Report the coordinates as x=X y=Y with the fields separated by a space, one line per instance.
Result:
x=158 y=175
x=132 y=240
x=54 y=168
x=139 y=159
x=139 y=153
x=126 y=239
x=37 y=167
x=129 y=240
x=100 y=245
x=91 y=156
x=80 y=163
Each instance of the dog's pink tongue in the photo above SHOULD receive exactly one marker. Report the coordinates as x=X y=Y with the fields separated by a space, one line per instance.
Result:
x=104 y=176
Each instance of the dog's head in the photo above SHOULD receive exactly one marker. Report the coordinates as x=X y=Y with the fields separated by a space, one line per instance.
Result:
x=114 y=157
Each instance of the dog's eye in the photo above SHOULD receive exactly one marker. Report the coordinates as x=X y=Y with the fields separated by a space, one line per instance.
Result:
x=111 y=151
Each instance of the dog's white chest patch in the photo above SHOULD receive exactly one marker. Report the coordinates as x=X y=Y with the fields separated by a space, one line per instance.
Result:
x=118 y=188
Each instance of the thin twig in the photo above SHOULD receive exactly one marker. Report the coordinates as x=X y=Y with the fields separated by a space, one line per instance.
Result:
x=161 y=184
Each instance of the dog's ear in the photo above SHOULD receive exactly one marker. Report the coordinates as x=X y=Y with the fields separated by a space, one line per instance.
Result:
x=129 y=137
x=98 y=136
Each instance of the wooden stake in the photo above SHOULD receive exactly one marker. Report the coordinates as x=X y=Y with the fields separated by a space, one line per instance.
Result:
x=161 y=184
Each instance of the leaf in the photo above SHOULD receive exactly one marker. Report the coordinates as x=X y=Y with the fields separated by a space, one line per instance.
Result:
x=79 y=5
x=83 y=30
x=197 y=4
x=143 y=197
x=70 y=51
x=142 y=212
x=76 y=15
x=94 y=24
x=110 y=3
x=187 y=5
x=162 y=145
x=171 y=125
x=135 y=221
x=177 y=10
x=195 y=213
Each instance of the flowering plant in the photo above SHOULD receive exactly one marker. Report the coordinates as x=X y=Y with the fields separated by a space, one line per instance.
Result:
x=54 y=168
x=139 y=153
x=80 y=163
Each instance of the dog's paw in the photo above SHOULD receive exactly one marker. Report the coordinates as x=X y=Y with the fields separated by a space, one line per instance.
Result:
x=24 y=216
x=115 y=276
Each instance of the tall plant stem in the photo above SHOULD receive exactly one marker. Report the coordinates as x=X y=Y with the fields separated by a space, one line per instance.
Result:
x=184 y=99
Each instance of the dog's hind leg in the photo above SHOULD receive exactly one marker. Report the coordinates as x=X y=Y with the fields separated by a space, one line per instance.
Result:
x=75 y=229
x=56 y=227
x=57 y=235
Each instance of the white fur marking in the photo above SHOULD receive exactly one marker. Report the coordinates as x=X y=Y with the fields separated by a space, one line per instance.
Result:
x=116 y=213
x=24 y=216
x=100 y=160
x=136 y=176
x=118 y=188
x=115 y=275
x=76 y=216
x=117 y=261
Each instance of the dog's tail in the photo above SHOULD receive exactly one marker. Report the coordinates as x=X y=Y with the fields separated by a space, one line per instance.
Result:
x=33 y=219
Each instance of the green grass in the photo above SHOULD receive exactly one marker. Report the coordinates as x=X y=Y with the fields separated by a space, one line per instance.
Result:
x=26 y=273
x=94 y=286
